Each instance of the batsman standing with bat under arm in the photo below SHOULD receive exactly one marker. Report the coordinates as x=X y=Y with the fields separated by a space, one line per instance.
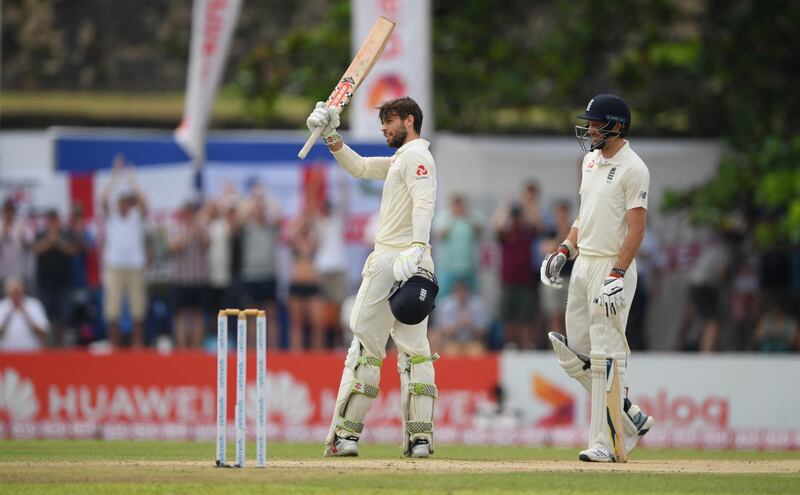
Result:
x=401 y=256
x=607 y=234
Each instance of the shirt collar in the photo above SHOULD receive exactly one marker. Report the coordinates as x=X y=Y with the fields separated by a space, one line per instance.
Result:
x=412 y=144
x=616 y=160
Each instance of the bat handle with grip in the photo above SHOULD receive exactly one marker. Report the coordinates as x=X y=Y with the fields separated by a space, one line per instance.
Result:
x=309 y=143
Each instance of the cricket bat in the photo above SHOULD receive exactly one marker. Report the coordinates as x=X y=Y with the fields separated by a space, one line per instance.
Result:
x=366 y=57
x=614 y=407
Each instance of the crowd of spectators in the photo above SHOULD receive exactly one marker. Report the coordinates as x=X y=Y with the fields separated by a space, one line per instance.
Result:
x=124 y=280
x=737 y=298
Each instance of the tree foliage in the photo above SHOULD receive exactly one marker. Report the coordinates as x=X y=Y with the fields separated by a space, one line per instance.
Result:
x=720 y=68
x=303 y=62
x=749 y=60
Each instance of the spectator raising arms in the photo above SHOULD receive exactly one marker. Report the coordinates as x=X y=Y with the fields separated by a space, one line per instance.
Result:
x=330 y=260
x=458 y=233
x=16 y=240
x=305 y=303
x=54 y=249
x=124 y=251
x=259 y=241
x=189 y=249
x=515 y=236
x=554 y=302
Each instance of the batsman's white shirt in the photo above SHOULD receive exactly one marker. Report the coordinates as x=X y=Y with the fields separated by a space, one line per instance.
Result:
x=406 y=211
x=609 y=188
x=409 y=193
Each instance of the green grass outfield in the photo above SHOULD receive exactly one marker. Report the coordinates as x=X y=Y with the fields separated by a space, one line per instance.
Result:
x=121 y=467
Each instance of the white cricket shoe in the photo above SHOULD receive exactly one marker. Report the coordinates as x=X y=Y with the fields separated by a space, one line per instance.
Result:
x=641 y=421
x=596 y=455
x=420 y=449
x=343 y=447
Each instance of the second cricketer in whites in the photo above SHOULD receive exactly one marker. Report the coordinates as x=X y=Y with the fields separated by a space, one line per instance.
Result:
x=607 y=234
x=401 y=249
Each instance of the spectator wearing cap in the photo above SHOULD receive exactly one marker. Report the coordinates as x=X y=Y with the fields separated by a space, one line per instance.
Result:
x=23 y=322
x=54 y=249
x=124 y=252
x=16 y=240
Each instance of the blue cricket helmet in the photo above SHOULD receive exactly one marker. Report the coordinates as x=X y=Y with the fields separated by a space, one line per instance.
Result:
x=611 y=110
x=608 y=108
x=413 y=300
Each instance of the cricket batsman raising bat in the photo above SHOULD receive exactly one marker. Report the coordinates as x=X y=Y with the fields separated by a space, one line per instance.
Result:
x=359 y=68
x=398 y=287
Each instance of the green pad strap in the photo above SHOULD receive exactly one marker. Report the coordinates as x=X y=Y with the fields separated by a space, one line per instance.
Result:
x=371 y=361
x=423 y=389
x=370 y=391
x=349 y=425
x=413 y=427
x=422 y=359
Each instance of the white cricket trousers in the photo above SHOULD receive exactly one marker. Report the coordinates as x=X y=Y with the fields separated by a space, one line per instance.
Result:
x=372 y=320
x=585 y=283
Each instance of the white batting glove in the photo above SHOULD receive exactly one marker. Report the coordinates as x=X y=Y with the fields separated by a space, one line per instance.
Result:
x=328 y=119
x=407 y=262
x=550 y=271
x=551 y=267
x=612 y=296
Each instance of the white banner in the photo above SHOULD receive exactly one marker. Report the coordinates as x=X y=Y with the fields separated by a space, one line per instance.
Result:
x=711 y=401
x=213 y=23
x=404 y=68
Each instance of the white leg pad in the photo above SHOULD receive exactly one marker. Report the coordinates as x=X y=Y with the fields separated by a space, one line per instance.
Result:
x=606 y=343
x=578 y=366
x=359 y=385
x=598 y=434
x=418 y=393
x=574 y=363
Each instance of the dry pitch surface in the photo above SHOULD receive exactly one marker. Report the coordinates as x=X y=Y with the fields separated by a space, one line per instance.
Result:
x=691 y=466
x=148 y=467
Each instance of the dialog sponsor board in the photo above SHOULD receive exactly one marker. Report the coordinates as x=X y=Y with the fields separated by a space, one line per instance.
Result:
x=699 y=401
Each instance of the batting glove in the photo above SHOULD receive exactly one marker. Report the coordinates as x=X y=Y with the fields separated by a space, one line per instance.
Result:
x=327 y=118
x=407 y=263
x=552 y=265
x=612 y=296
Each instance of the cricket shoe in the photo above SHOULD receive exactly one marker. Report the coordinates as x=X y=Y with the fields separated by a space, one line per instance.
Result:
x=638 y=427
x=420 y=449
x=342 y=447
x=598 y=454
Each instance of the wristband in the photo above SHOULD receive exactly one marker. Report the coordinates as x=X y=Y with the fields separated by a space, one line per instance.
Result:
x=568 y=248
x=332 y=138
x=617 y=273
